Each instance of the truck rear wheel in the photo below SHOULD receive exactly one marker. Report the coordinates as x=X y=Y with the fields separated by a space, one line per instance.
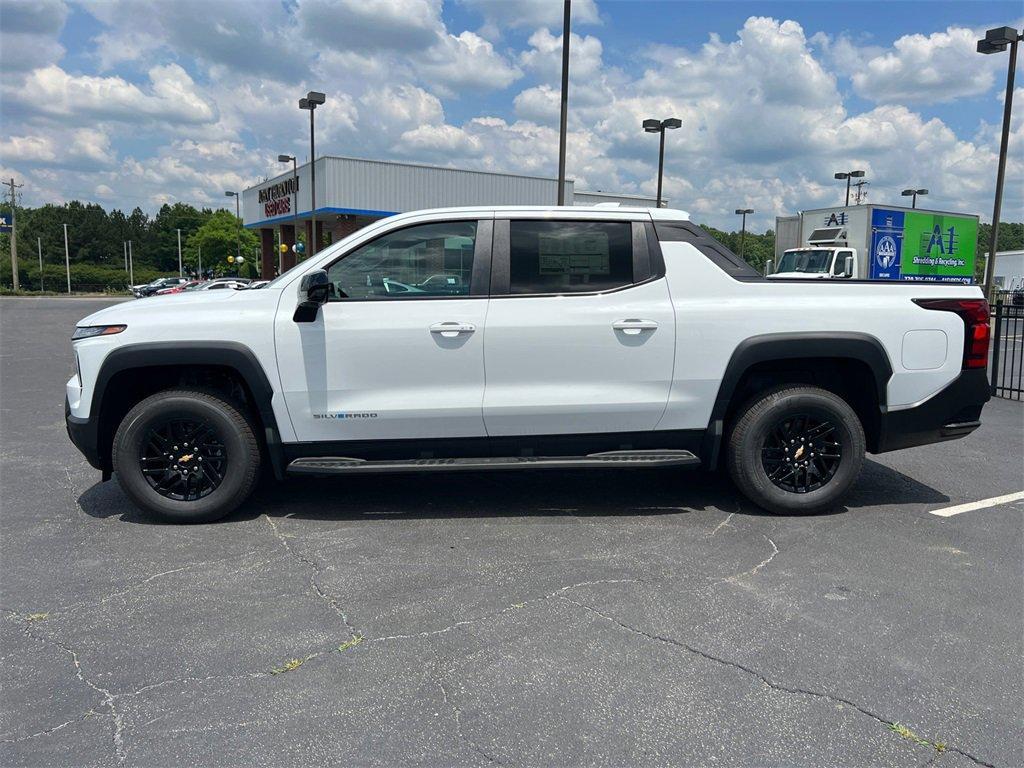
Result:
x=186 y=456
x=796 y=450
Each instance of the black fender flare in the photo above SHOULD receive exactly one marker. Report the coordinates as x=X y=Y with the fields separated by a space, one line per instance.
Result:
x=224 y=354
x=792 y=346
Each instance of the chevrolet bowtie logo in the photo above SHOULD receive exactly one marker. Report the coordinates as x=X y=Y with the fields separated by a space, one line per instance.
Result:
x=186 y=457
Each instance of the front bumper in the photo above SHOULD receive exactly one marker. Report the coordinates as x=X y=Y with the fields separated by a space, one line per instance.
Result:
x=84 y=433
x=953 y=413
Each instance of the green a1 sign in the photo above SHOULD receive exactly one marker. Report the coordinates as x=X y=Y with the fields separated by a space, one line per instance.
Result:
x=915 y=245
x=939 y=246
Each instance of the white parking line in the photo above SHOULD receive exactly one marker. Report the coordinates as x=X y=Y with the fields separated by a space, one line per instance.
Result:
x=995 y=501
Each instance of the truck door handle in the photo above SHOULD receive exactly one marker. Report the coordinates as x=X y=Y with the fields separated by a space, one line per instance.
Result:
x=632 y=327
x=451 y=329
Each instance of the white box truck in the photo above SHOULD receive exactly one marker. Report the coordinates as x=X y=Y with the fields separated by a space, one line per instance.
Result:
x=874 y=242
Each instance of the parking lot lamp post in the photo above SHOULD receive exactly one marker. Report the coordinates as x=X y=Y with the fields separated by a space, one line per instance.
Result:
x=295 y=183
x=849 y=175
x=180 y=272
x=238 y=227
x=997 y=40
x=563 y=120
x=39 y=247
x=913 y=193
x=743 y=228
x=311 y=102
x=67 y=257
x=659 y=126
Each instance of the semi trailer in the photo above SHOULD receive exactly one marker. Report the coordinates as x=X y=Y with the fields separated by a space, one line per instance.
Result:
x=875 y=242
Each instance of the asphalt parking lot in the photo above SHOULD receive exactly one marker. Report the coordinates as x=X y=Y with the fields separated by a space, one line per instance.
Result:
x=583 y=618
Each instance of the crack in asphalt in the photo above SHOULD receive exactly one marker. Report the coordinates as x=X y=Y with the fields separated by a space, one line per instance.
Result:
x=108 y=697
x=45 y=732
x=753 y=672
x=457 y=719
x=724 y=524
x=315 y=569
x=508 y=609
x=753 y=571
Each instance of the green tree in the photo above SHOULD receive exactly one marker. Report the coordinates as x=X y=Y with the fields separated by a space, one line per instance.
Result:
x=217 y=237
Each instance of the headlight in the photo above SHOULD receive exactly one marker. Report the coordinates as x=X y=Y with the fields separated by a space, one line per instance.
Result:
x=88 y=331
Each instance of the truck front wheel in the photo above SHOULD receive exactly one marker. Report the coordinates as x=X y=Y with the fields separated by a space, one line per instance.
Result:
x=186 y=456
x=795 y=450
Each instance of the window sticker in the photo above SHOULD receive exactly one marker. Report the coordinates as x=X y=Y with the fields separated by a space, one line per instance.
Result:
x=574 y=255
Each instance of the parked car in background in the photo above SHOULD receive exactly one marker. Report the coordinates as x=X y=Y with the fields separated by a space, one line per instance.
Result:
x=220 y=284
x=177 y=288
x=141 y=291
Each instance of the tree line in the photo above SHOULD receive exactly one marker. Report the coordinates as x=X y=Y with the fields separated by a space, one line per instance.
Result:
x=96 y=243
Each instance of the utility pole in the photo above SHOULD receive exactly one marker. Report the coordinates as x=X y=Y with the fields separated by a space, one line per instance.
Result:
x=860 y=191
x=14 y=236
x=131 y=265
x=39 y=245
x=180 y=273
x=200 y=261
x=67 y=257
x=566 y=14
x=125 y=244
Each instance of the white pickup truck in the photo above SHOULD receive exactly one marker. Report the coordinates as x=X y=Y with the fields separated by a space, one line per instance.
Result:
x=565 y=338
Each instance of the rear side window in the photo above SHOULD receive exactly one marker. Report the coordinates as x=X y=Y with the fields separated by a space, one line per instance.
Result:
x=569 y=256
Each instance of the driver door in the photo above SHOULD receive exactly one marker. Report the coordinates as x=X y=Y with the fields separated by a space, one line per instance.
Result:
x=397 y=351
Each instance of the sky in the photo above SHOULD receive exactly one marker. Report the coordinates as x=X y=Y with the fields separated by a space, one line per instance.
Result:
x=144 y=102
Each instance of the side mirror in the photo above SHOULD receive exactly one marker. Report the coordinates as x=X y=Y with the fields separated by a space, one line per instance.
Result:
x=313 y=292
x=848 y=267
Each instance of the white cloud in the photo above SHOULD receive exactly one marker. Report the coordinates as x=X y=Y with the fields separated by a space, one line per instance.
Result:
x=52 y=91
x=390 y=25
x=466 y=61
x=934 y=68
x=28 y=34
x=529 y=14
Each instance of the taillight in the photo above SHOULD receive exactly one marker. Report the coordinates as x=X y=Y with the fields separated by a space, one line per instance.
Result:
x=977 y=331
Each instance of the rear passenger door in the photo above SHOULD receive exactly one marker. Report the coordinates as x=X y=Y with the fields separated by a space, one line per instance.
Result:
x=580 y=331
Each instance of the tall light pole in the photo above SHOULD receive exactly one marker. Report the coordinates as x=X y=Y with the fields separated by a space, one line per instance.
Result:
x=39 y=246
x=996 y=40
x=14 y=235
x=564 y=119
x=67 y=257
x=180 y=273
x=131 y=265
x=743 y=228
x=913 y=193
x=238 y=224
x=659 y=126
x=849 y=175
x=295 y=182
x=311 y=102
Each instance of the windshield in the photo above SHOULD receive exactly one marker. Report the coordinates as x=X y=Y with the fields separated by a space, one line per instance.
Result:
x=805 y=261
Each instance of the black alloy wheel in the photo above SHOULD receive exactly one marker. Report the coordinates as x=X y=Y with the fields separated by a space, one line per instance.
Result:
x=183 y=459
x=800 y=453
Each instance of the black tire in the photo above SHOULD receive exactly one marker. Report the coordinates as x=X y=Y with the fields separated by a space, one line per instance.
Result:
x=818 y=483
x=236 y=456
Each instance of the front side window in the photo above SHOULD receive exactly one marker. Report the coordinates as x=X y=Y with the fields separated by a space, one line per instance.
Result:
x=569 y=256
x=416 y=262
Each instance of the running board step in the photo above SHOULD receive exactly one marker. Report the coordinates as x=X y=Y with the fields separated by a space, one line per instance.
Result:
x=340 y=465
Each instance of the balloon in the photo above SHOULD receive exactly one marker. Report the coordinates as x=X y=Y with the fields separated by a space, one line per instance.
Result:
x=240 y=260
x=300 y=248
x=284 y=248
x=231 y=259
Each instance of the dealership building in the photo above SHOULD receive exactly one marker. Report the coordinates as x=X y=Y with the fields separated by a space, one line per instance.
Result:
x=351 y=193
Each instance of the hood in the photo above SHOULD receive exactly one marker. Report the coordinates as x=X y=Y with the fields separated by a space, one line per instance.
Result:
x=132 y=308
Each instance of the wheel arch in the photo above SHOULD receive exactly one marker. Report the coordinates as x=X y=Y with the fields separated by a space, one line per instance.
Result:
x=840 y=362
x=155 y=361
